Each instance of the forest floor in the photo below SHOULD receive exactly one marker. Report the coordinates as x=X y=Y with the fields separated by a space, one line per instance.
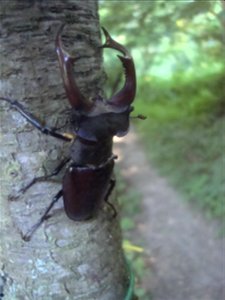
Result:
x=186 y=253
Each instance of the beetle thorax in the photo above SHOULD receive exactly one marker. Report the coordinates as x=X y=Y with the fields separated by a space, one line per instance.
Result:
x=84 y=152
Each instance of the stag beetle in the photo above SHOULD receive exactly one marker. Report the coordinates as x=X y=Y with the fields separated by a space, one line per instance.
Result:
x=88 y=177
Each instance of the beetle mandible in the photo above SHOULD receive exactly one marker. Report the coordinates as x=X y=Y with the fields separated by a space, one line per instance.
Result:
x=88 y=176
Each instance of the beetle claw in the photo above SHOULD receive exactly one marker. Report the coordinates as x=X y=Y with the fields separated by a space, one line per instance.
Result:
x=126 y=95
x=66 y=61
x=110 y=43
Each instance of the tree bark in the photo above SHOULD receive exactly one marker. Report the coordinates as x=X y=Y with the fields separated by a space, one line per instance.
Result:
x=64 y=259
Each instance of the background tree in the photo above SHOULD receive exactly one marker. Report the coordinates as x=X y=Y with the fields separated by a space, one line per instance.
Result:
x=64 y=259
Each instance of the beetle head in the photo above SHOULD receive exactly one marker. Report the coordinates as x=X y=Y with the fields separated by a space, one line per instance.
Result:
x=97 y=119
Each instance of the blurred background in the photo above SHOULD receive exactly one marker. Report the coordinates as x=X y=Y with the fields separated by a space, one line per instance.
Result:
x=179 y=50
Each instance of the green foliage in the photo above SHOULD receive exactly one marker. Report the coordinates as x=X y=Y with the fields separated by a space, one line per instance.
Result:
x=178 y=48
x=139 y=267
x=192 y=158
x=129 y=202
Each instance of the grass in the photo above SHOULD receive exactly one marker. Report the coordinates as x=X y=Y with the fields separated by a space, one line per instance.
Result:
x=184 y=137
x=129 y=202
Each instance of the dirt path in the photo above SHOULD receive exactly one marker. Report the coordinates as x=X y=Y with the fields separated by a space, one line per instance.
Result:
x=188 y=257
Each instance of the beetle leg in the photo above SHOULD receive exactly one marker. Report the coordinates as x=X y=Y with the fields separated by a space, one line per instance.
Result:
x=141 y=117
x=36 y=123
x=27 y=236
x=106 y=199
x=39 y=179
x=46 y=177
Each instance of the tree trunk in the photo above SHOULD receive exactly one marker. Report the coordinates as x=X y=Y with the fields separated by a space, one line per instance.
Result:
x=64 y=259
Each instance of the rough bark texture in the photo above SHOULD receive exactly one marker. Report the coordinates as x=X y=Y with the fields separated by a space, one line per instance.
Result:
x=64 y=259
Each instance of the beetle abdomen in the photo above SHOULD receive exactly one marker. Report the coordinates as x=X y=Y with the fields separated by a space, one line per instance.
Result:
x=84 y=188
